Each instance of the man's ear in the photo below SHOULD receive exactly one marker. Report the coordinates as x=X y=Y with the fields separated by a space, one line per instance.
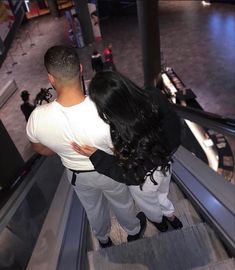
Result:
x=81 y=68
x=51 y=78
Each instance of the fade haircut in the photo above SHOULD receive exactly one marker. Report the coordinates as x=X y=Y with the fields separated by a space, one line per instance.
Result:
x=62 y=62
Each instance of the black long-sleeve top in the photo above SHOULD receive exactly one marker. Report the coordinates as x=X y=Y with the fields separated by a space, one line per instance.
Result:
x=109 y=165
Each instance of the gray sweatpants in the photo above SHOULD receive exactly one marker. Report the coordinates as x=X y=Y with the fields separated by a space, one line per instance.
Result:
x=99 y=193
x=153 y=200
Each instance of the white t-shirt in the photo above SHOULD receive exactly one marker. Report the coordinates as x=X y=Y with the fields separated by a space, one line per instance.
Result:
x=56 y=127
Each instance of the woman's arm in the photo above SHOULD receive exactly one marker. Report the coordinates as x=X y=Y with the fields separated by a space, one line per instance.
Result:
x=106 y=164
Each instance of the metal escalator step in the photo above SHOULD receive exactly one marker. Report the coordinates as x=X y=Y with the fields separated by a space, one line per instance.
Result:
x=216 y=245
x=183 y=209
x=183 y=249
x=186 y=213
x=221 y=265
x=175 y=194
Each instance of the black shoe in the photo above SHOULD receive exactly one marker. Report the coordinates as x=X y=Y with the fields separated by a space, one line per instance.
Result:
x=143 y=224
x=175 y=223
x=105 y=245
x=162 y=226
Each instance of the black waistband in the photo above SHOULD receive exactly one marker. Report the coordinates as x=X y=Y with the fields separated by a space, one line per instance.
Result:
x=78 y=171
x=73 y=181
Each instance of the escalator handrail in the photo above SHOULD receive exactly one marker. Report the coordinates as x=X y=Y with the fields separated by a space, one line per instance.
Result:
x=18 y=178
x=212 y=197
x=207 y=119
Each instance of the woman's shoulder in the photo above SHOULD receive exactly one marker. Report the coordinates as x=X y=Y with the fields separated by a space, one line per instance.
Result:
x=156 y=96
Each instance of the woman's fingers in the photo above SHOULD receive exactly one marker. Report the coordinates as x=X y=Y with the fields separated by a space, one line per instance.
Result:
x=85 y=150
x=76 y=148
x=89 y=150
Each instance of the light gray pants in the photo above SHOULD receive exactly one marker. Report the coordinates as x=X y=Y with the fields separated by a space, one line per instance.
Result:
x=153 y=200
x=98 y=194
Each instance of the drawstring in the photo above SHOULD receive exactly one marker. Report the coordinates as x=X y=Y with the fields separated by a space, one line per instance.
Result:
x=150 y=175
x=73 y=181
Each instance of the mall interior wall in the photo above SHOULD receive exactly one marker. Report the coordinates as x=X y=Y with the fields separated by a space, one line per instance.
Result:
x=18 y=11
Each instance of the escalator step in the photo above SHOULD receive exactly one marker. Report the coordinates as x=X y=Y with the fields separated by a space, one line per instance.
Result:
x=221 y=265
x=188 y=248
x=186 y=213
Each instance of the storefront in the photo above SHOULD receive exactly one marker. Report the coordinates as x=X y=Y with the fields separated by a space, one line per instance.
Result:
x=11 y=16
x=37 y=8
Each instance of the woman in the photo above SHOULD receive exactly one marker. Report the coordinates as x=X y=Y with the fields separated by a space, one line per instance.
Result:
x=142 y=126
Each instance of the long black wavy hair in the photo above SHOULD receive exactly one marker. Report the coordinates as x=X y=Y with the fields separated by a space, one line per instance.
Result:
x=134 y=121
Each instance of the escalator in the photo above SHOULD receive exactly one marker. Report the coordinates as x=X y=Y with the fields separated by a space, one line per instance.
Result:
x=204 y=201
x=196 y=245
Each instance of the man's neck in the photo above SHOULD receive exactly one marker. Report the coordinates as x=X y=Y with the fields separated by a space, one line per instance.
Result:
x=70 y=95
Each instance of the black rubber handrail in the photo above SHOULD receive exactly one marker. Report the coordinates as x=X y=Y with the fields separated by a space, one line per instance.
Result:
x=7 y=192
x=209 y=120
x=27 y=167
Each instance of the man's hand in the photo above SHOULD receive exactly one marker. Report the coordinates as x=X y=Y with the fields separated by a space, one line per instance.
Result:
x=42 y=149
x=84 y=150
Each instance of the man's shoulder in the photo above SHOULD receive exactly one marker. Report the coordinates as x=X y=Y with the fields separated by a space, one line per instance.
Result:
x=89 y=103
x=46 y=107
x=43 y=109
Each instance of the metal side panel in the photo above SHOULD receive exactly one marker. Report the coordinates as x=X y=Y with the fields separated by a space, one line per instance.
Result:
x=214 y=196
x=47 y=249
x=223 y=190
x=73 y=253
x=186 y=213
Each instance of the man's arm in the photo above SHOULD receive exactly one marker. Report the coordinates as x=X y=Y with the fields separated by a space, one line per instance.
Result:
x=31 y=131
x=42 y=149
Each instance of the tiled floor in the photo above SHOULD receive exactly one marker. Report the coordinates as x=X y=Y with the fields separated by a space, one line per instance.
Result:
x=198 y=42
x=29 y=73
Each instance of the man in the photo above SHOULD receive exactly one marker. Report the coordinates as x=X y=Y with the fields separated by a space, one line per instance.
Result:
x=96 y=61
x=26 y=107
x=73 y=117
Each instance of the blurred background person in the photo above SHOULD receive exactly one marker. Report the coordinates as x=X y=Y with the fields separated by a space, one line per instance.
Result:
x=96 y=61
x=26 y=107
x=43 y=95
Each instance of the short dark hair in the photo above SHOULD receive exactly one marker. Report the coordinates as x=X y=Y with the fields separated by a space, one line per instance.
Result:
x=25 y=95
x=62 y=62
